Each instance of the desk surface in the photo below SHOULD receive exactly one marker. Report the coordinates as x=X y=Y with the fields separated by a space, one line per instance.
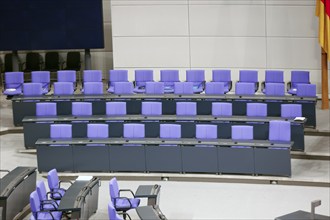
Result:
x=302 y=215
x=147 y=191
x=150 y=212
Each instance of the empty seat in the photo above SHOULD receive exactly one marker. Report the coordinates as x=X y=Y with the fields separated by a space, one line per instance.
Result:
x=112 y=213
x=52 y=61
x=33 y=62
x=206 y=131
x=45 y=202
x=116 y=108
x=73 y=61
x=151 y=108
x=169 y=77
x=275 y=89
x=181 y=88
x=123 y=88
x=249 y=76
x=91 y=76
x=54 y=184
x=170 y=131
x=297 y=77
x=223 y=76
x=256 y=109
x=38 y=213
x=13 y=83
x=42 y=77
x=82 y=109
x=93 y=88
x=134 y=131
x=63 y=88
x=306 y=90
x=242 y=132
x=154 y=88
x=116 y=76
x=141 y=77
x=291 y=110
x=186 y=108
x=97 y=131
x=214 y=88
x=222 y=109
x=197 y=77
x=32 y=89
x=59 y=131
x=67 y=76
x=244 y=88
x=279 y=131
x=46 y=109
x=272 y=77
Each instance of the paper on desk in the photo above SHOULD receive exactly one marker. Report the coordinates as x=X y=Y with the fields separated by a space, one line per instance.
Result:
x=85 y=178
x=299 y=118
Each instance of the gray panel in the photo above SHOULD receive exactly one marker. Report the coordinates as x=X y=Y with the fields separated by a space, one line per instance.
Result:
x=91 y=158
x=61 y=158
x=163 y=159
x=127 y=158
x=199 y=159
x=236 y=160
x=34 y=131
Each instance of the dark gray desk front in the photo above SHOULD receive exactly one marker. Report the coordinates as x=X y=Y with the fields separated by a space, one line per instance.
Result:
x=302 y=215
x=15 y=190
x=150 y=213
x=26 y=106
x=159 y=155
x=39 y=127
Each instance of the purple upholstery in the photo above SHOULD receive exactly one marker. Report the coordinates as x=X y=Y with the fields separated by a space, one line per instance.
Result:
x=151 y=108
x=154 y=88
x=279 y=131
x=274 y=76
x=274 y=89
x=246 y=88
x=54 y=185
x=215 y=88
x=223 y=76
x=306 y=90
x=66 y=76
x=197 y=77
x=183 y=88
x=117 y=76
x=170 y=131
x=122 y=88
x=248 y=76
x=46 y=203
x=291 y=110
x=92 y=76
x=169 y=77
x=222 y=109
x=112 y=212
x=13 y=83
x=42 y=77
x=32 y=89
x=116 y=108
x=206 y=131
x=97 y=131
x=256 y=109
x=82 y=109
x=58 y=131
x=298 y=77
x=186 y=108
x=242 y=132
x=37 y=213
x=46 y=109
x=134 y=131
x=93 y=88
x=63 y=88
x=141 y=77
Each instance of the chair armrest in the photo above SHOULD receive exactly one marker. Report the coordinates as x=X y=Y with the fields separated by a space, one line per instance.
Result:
x=49 y=202
x=288 y=86
x=126 y=190
x=130 y=204
x=256 y=86
x=263 y=84
x=52 y=193
x=230 y=85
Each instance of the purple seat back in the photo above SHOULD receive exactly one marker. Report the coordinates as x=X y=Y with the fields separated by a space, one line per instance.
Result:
x=291 y=110
x=151 y=108
x=113 y=189
x=197 y=76
x=242 y=132
x=244 y=88
x=221 y=75
x=206 y=131
x=222 y=109
x=170 y=131
x=66 y=76
x=248 y=76
x=82 y=108
x=274 y=76
x=93 y=88
x=41 y=190
x=63 y=88
x=274 y=89
x=53 y=180
x=46 y=109
x=306 y=90
x=112 y=214
x=92 y=76
x=154 y=87
x=299 y=76
x=118 y=76
x=34 y=203
x=122 y=88
x=256 y=109
x=32 y=89
x=116 y=108
x=186 y=108
x=97 y=131
x=215 y=88
x=134 y=131
x=58 y=131
x=169 y=77
x=183 y=88
x=279 y=131
x=13 y=83
x=143 y=76
x=40 y=77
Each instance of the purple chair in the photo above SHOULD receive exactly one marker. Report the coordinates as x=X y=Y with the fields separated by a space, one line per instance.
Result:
x=222 y=109
x=46 y=109
x=242 y=88
x=297 y=77
x=214 y=88
x=256 y=110
x=63 y=88
x=120 y=202
x=123 y=88
x=32 y=89
x=306 y=90
x=197 y=77
x=38 y=213
x=60 y=131
x=279 y=131
x=291 y=110
x=206 y=131
x=91 y=76
x=154 y=88
x=112 y=213
x=93 y=88
x=141 y=77
x=272 y=76
x=13 y=83
x=82 y=109
x=249 y=76
x=274 y=89
x=67 y=76
x=116 y=108
x=45 y=202
x=42 y=77
x=169 y=77
x=116 y=76
x=170 y=131
x=186 y=108
x=54 y=184
x=134 y=131
x=223 y=76
x=97 y=131
x=181 y=88
x=151 y=108
x=242 y=132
